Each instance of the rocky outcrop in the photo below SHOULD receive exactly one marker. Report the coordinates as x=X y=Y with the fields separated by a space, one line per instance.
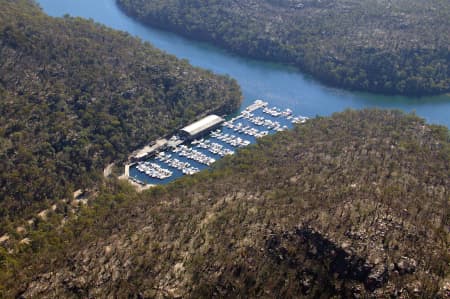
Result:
x=338 y=263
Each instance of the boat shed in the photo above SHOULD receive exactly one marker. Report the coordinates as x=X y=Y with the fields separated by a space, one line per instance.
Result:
x=201 y=127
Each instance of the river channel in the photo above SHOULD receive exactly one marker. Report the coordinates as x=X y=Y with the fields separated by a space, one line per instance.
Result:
x=279 y=85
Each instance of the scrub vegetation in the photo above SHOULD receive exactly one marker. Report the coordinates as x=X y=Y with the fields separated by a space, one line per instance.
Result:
x=353 y=205
x=75 y=96
x=386 y=46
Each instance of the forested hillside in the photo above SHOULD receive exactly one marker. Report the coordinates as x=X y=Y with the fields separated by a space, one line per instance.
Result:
x=75 y=95
x=386 y=46
x=353 y=206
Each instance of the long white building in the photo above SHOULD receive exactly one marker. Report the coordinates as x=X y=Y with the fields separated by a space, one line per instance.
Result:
x=201 y=127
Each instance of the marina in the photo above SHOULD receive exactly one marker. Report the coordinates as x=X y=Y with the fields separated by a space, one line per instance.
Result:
x=200 y=144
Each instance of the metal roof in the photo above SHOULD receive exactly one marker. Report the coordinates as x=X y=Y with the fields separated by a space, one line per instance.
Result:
x=203 y=124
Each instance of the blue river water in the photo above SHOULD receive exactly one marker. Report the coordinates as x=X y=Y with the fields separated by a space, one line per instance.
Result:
x=279 y=85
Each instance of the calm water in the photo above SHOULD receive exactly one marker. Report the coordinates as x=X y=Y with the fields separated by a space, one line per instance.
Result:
x=284 y=121
x=279 y=85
